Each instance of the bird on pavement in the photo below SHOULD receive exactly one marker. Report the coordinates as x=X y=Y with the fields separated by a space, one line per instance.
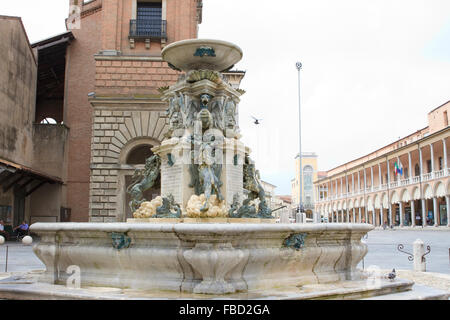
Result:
x=392 y=275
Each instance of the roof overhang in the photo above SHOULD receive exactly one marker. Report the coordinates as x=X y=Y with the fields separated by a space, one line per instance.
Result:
x=15 y=176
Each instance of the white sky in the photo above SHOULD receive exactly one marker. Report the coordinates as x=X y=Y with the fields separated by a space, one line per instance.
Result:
x=372 y=70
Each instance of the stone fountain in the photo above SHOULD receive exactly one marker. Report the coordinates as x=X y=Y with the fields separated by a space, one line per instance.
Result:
x=211 y=231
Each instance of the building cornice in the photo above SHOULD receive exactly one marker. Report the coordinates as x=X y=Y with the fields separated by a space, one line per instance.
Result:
x=383 y=157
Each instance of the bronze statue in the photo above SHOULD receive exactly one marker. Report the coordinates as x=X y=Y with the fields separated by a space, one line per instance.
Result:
x=252 y=183
x=166 y=210
x=209 y=174
x=143 y=180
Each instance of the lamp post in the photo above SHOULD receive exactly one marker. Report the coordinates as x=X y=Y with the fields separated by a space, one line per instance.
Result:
x=300 y=204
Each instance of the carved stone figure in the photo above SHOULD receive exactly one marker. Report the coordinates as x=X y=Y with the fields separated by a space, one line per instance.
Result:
x=209 y=175
x=217 y=107
x=175 y=115
x=250 y=180
x=168 y=209
x=234 y=206
x=120 y=240
x=216 y=208
x=247 y=210
x=230 y=115
x=148 y=209
x=143 y=180
x=252 y=183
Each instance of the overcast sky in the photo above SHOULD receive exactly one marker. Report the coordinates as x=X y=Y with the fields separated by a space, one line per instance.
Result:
x=372 y=70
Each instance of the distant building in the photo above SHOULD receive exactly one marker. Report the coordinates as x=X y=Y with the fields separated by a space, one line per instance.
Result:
x=405 y=183
x=269 y=189
x=275 y=202
x=310 y=174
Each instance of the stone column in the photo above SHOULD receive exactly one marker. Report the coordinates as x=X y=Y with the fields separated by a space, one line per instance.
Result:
x=354 y=216
x=380 y=181
x=424 y=213
x=419 y=251
x=371 y=178
x=359 y=183
x=400 y=209
x=447 y=205
x=381 y=216
x=346 y=184
x=435 y=212
x=341 y=186
x=342 y=215
x=388 y=173
x=410 y=168
x=347 y=211
x=284 y=217
x=353 y=183
x=365 y=180
x=336 y=189
x=420 y=162
x=432 y=160
x=391 y=221
x=444 y=146
x=374 y=222
x=413 y=214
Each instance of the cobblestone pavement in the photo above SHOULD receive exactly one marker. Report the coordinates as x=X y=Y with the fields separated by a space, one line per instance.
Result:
x=430 y=279
x=383 y=251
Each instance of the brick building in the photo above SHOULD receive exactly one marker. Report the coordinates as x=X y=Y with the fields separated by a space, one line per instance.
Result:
x=97 y=91
x=111 y=103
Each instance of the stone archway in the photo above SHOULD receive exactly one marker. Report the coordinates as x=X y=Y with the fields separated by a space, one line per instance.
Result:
x=132 y=157
x=116 y=134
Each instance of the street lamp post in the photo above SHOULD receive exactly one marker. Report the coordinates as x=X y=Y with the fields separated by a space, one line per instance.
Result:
x=300 y=204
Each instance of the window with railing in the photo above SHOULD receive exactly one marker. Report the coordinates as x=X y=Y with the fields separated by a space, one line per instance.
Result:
x=148 y=22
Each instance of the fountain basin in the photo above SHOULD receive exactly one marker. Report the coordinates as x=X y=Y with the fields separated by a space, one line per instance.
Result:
x=201 y=258
x=198 y=54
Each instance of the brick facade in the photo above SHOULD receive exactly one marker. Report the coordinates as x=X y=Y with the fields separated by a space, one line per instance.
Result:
x=124 y=108
x=122 y=77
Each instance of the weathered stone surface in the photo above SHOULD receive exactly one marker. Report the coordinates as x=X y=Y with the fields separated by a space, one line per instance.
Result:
x=155 y=259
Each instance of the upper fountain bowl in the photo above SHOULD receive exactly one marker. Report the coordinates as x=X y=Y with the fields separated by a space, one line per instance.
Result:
x=202 y=54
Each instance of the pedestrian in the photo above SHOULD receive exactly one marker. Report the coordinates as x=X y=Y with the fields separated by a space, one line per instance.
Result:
x=22 y=229
x=2 y=230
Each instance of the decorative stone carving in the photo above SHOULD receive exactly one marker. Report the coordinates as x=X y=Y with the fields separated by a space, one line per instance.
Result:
x=205 y=51
x=213 y=262
x=252 y=183
x=295 y=241
x=247 y=210
x=215 y=208
x=168 y=209
x=143 y=180
x=120 y=240
x=148 y=209
x=198 y=75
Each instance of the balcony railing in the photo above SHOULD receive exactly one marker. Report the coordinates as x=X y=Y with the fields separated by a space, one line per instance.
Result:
x=404 y=182
x=394 y=184
x=148 y=28
x=439 y=174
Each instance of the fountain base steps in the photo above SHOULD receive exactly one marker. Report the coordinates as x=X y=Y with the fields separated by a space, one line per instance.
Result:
x=26 y=287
